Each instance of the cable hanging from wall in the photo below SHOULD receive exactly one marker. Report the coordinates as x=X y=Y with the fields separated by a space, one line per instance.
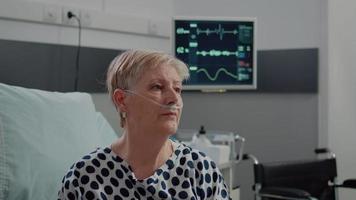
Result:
x=72 y=15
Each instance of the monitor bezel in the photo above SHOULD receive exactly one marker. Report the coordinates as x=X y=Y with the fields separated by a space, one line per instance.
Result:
x=220 y=88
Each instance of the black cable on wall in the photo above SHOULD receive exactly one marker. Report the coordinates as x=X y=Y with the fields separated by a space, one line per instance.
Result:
x=71 y=15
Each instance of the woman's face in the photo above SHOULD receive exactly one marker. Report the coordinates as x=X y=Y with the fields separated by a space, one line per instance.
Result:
x=162 y=85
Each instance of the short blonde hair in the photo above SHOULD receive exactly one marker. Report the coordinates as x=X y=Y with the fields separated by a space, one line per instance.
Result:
x=129 y=66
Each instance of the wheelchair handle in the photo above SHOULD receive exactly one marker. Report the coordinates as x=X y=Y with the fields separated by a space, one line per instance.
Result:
x=321 y=150
x=247 y=157
x=244 y=157
x=326 y=151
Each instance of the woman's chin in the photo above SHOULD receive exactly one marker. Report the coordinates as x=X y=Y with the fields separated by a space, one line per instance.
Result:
x=169 y=128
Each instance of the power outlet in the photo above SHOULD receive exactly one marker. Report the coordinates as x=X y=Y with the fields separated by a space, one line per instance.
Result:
x=52 y=14
x=70 y=21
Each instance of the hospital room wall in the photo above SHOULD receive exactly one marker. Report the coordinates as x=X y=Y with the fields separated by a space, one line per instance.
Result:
x=22 y=20
x=342 y=87
x=277 y=126
x=112 y=10
x=281 y=25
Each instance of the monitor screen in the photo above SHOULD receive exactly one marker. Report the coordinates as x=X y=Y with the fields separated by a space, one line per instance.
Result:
x=220 y=52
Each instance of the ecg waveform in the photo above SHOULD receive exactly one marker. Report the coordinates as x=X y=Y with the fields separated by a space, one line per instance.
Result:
x=219 y=31
x=220 y=70
x=218 y=52
x=214 y=52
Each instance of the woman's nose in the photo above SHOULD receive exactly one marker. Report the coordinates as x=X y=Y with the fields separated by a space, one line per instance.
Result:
x=173 y=97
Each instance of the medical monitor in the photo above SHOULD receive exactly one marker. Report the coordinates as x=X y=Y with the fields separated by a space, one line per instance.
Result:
x=220 y=52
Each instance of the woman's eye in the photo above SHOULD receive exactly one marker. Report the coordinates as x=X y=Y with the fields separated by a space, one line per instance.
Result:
x=156 y=87
x=178 y=90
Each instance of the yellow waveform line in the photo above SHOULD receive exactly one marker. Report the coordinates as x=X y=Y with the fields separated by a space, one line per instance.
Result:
x=217 y=73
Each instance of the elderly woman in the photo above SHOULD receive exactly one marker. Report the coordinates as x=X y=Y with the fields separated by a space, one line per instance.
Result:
x=144 y=163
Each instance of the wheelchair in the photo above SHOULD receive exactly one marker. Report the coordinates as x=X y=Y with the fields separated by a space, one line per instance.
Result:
x=298 y=180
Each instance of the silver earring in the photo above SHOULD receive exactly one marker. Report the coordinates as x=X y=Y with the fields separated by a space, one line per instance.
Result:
x=123 y=115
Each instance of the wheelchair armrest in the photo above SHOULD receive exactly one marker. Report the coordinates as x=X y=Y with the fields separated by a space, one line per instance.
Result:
x=284 y=193
x=349 y=183
x=321 y=150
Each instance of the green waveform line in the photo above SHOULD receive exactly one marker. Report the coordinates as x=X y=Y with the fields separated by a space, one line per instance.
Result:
x=219 y=31
x=217 y=73
x=214 y=52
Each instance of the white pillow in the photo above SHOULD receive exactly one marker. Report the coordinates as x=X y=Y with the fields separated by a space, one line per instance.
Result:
x=42 y=133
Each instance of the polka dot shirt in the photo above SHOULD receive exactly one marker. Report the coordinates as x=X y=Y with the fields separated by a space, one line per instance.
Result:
x=187 y=174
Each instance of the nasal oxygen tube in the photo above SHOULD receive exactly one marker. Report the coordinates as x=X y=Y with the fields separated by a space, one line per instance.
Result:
x=171 y=107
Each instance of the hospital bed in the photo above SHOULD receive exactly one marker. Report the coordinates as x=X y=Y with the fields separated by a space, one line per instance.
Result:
x=41 y=135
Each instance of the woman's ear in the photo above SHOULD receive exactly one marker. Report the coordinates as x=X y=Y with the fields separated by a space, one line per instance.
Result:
x=118 y=98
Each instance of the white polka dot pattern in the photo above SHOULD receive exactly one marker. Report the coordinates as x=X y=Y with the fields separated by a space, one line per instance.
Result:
x=187 y=174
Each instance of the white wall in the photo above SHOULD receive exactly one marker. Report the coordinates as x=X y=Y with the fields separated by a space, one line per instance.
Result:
x=113 y=24
x=22 y=20
x=342 y=87
x=323 y=78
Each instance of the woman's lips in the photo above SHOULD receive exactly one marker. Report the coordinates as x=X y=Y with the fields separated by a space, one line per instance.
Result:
x=170 y=114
